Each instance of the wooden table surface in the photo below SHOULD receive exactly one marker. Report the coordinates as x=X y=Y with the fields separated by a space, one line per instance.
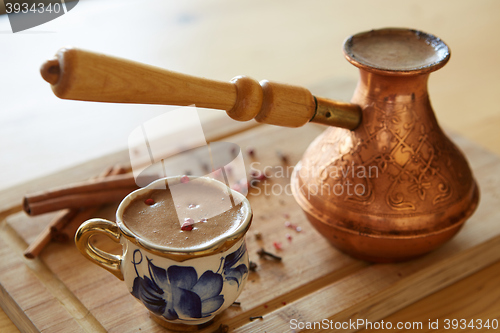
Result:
x=295 y=42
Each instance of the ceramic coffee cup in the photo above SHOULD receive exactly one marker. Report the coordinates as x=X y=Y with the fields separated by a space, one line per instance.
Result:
x=178 y=286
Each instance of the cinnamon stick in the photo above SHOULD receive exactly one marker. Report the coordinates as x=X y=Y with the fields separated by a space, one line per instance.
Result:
x=96 y=184
x=38 y=244
x=68 y=230
x=46 y=235
x=61 y=221
x=78 y=200
x=83 y=194
x=59 y=224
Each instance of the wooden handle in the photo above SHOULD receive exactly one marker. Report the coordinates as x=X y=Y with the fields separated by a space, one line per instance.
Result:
x=87 y=76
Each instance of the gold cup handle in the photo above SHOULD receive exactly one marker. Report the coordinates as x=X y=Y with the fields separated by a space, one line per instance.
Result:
x=111 y=262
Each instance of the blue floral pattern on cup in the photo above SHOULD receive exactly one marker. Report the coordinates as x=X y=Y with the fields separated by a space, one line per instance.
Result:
x=177 y=292
x=231 y=273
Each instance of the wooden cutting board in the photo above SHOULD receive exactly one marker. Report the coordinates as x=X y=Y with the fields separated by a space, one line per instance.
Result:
x=62 y=291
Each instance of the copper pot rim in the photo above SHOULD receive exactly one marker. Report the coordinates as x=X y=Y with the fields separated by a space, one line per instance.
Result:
x=433 y=41
x=309 y=209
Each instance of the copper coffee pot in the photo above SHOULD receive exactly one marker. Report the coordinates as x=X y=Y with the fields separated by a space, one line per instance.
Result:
x=388 y=188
